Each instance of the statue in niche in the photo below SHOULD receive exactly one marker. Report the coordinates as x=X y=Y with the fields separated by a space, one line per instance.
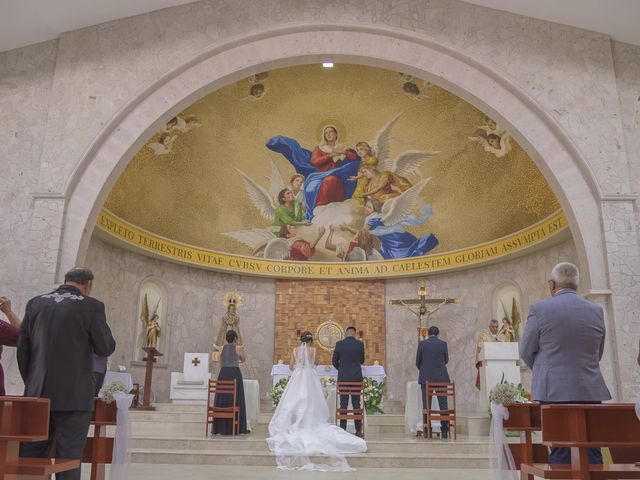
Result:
x=153 y=332
x=511 y=322
x=230 y=320
x=151 y=325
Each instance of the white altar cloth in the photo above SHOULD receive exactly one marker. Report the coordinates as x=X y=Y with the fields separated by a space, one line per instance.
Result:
x=376 y=372
x=252 y=402
x=413 y=409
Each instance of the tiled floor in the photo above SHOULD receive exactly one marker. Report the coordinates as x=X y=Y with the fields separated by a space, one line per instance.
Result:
x=141 y=471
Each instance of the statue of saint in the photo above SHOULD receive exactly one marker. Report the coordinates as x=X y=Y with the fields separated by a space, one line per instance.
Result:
x=230 y=321
x=153 y=332
x=150 y=331
x=507 y=331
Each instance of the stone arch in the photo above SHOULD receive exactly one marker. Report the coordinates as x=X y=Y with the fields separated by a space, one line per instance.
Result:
x=538 y=133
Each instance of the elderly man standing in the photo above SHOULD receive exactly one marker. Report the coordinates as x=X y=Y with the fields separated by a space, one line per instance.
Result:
x=490 y=335
x=563 y=343
x=60 y=333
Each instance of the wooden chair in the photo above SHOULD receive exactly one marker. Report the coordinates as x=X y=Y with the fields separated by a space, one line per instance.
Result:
x=440 y=389
x=98 y=450
x=25 y=419
x=581 y=427
x=222 y=387
x=526 y=419
x=350 y=388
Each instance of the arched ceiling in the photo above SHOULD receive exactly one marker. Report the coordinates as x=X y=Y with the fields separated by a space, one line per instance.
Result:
x=26 y=22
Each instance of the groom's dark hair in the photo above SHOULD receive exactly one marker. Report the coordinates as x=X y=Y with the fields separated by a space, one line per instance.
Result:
x=351 y=329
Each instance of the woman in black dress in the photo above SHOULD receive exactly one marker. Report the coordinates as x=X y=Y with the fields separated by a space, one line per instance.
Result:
x=230 y=357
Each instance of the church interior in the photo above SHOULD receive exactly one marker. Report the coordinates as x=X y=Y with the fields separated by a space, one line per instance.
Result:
x=280 y=167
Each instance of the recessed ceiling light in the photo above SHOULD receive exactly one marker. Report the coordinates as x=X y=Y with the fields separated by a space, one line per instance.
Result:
x=327 y=64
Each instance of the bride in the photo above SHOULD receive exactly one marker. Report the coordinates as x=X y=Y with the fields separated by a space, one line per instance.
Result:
x=301 y=426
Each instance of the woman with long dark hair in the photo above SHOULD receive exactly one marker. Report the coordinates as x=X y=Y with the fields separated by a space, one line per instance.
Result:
x=230 y=357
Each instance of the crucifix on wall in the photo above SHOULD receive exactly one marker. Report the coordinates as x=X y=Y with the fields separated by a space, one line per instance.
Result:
x=422 y=307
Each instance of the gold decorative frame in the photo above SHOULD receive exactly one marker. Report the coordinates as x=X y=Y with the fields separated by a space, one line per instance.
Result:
x=326 y=329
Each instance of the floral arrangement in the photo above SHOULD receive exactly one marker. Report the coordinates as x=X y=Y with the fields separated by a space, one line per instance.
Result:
x=106 y=392
x=372 y=395
x=507 y=393
x=278 y=390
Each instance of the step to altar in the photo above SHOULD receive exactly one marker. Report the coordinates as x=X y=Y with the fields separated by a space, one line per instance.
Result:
x=176 y=434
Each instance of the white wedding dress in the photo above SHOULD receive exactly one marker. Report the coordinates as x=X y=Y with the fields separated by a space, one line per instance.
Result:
x=301 y=426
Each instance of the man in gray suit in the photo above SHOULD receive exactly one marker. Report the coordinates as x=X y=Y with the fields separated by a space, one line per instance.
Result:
x=562 y=343
x=431 y=361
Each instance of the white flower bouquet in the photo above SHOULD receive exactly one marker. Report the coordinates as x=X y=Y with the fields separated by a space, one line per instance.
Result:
x=107 y=391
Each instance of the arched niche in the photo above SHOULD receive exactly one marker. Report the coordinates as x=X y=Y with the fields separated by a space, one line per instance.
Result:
x=536 y=131
x=157 y=299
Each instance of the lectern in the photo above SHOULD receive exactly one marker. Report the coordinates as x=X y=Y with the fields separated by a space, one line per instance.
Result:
x=151 y=354
x=499 y=364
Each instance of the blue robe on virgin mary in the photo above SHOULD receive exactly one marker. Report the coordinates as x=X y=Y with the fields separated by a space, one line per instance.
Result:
x=300 y=158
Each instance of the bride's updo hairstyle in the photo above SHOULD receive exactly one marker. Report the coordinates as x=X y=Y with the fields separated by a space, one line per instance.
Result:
x=306 y=337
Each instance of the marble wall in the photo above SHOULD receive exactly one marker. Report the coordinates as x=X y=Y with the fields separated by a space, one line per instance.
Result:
x=57 y=97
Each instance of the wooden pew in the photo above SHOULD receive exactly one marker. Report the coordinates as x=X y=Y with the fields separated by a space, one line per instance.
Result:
x=25 y=419
x=526 y=419
x=581 y=427
x=99 y=449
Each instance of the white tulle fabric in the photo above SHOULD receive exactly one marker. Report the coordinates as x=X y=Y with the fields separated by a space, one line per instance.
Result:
x=501 y=464
x=301 y=427
x=122 y=442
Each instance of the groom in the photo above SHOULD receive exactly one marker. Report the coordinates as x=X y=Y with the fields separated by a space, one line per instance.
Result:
x=348 y=357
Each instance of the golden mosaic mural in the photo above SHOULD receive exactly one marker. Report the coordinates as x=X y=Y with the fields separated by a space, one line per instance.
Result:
x=348 y=164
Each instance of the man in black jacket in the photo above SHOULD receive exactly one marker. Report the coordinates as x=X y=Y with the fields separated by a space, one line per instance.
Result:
x=348 y=357
x=60 y=332
x=431 y=360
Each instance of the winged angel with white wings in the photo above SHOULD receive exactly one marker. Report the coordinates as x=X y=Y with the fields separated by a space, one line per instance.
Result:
x=279 y=206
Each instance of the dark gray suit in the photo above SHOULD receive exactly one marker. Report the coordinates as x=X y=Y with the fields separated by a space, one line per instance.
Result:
x=431 y=360
x=348 y=357
x=562 y=343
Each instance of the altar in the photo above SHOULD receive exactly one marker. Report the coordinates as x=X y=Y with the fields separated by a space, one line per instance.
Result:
x=375 y=372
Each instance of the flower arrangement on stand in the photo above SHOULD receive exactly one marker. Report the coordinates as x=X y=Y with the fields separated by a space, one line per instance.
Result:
x=505 y=394
x=106 y=392
x=373 y=391
x=508 y=393
x=278 y=390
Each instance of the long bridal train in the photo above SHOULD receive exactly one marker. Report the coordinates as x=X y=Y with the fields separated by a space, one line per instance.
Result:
x=301 y=426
